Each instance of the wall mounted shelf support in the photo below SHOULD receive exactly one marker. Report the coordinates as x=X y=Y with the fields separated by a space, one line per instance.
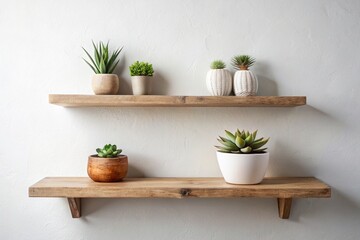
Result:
x=284 y=189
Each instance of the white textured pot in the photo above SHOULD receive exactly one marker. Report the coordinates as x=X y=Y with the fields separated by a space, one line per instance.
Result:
x=243 y=168
x=141 y=85
x=245 y=83
x=219 y=82
x=105 y=84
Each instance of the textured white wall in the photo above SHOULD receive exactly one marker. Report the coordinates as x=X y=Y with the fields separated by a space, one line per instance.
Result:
x=303 y=47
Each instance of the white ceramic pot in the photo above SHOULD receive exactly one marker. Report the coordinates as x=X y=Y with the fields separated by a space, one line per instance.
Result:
x=105 y=84
x=141 y=85
x=245 y=83
x=219 y=82
x=243 y=168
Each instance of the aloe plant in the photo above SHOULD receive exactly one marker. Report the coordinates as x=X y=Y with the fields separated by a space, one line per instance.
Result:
x=241 y=142
x=108 y=151
x=217 y=64
x=102 y=62
x=242 y=62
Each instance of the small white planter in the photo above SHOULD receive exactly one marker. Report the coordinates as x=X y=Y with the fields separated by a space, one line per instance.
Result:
x=141 y=85
x=243 y=168
x=219 y=82
x=245 y=83
x=105 y=84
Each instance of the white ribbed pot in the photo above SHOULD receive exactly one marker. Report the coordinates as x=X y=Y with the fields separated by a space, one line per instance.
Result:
x=243 y=168
x=105 y=84
x=219 y=82
x=245 y=83
x=141 y=85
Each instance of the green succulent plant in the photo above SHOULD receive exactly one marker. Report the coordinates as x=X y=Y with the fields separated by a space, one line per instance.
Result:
x=108 y=151
x=102 y=62
x=217 y=64
x=242 y=62
x=241 y=142
x=141 y=69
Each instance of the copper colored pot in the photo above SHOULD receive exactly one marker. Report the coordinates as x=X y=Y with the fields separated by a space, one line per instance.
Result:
x=107 y=169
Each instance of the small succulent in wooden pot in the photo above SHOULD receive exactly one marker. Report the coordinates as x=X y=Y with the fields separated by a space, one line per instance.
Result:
x=107 y=165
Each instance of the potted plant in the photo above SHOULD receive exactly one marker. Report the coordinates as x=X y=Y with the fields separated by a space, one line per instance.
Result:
x=107 y=165
x=245 y=82
x=141 y=74
x=241 y=158
x=218 y=79
x=103 y=64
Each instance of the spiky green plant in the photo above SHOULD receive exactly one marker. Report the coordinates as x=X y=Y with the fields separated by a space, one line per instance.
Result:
x=242 y=62
x=241 y=142
x=217 y=64
x=102 y=62
x=108 y=151
x=141 y=69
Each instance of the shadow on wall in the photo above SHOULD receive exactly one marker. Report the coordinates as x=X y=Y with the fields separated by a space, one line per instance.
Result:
x=296 y=158
x=160 y=85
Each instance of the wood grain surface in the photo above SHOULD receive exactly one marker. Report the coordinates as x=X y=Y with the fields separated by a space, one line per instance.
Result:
x=73 y=100
x=83 y=187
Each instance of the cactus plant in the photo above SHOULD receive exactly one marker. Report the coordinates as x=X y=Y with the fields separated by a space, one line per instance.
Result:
x=103 y=63
x=108 y=151
x=217 y=64
x=242 y=142
x=242 y=62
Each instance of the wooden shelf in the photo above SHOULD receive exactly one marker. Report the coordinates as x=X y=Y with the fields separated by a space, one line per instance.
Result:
x=77 y=188
x=68 y=100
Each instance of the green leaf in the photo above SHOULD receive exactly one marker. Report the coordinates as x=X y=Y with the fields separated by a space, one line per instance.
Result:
x=92 y=60
x=102 y=66
x=114 y=147
x=262 y=150
x=96 y=54
x=249 y=139
x=230 y=135
x=247 y=149
x=113 y=67
x=228 y=144
x=98 y=150
x=95 y=70
x=254 y=134
x=259 y=144
x=240 y=143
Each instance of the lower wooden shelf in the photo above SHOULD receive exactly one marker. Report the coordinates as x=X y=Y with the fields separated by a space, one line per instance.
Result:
x=284 y=189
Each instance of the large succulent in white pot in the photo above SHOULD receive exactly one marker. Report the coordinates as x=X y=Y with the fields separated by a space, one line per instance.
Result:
x=218 y=79
x=245 y=81
x=103 y=64
x=242 y=158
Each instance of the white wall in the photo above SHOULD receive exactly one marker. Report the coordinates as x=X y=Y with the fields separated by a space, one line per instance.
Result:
x=303 y=47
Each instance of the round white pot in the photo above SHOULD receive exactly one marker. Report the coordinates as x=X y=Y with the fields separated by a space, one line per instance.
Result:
x=219 y=82
x=141 y=85
x=105 y=84
x=243 y=168
x=245 y=83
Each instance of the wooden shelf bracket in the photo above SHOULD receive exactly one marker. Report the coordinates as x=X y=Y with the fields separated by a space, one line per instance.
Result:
x=75 y=207
x=284 y=206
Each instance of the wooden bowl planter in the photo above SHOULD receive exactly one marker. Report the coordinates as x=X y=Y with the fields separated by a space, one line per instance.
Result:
x=107 y=169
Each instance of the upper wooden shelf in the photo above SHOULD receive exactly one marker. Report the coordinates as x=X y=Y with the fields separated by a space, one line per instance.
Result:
x=69 y=100
x=284 y=189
